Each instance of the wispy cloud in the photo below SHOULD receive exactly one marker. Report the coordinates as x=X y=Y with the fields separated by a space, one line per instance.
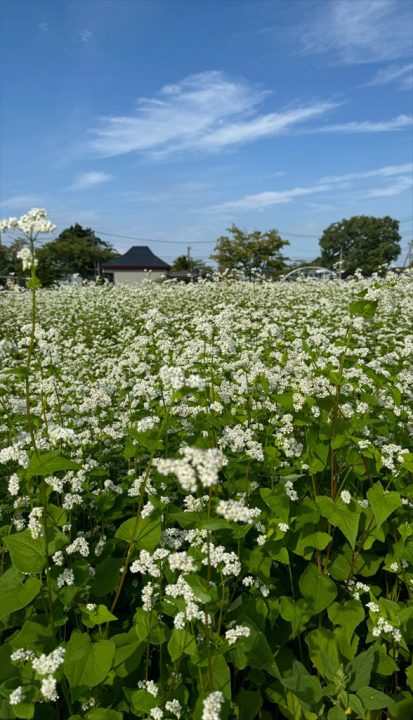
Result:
x=259 y=201
x=383 y=172
x=359 y=32
x=401 y=122
x=87 y=180
x=266 y=199
x=204 y=112
x=401 y=75
x=43 y=26
x=402 y=184
x=21 y=201
x=85 y=35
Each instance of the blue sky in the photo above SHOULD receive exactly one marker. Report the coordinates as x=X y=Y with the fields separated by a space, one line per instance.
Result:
x=168 y=120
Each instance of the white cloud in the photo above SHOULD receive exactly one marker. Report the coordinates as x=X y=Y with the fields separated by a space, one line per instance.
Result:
x=259 y=201
x=401 y=122
x=402 y=184
x=22 y=201
x=205 y=111
x=85 y=35
x=87 y=180
x=43 y=26
x=359 y=31
x=266 y=199
x=401 y=75
x=383 y=172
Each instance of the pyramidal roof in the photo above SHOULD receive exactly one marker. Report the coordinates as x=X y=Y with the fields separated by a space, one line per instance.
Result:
x=138 y=257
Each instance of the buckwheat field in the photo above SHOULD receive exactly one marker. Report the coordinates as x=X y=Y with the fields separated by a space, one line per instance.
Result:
x=206 y=501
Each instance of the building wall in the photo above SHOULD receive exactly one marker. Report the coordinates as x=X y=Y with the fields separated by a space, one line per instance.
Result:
x=130 y=277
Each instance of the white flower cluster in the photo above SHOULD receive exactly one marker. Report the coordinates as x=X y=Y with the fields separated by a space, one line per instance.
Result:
x=211 y=708
x=216 y=556
x=383 y=626
x=257 y=584
x=148 y=564
x=196 y=465
x=174 y=707
x=346 y=497
x=31 y=224
x=17 y=696
x=236 y=511
x=232 y=635
x=79 y=545
x=192 y=610
x=183 y=562
x=34 y=524
x=358 y=588
x=149 y=686
x=290 y=492
x=48 y=664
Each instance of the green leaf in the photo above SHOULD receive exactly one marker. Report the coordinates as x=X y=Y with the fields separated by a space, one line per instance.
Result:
x=336 y=713
x=373 y=699
x=142 y=702
x=148 y=533
x=23 y=710
x=249 y=704
x=345 y=517
x=305 y=686
x=87 y=663
x=295 y=612
x=35 y=634
x=16 y=592
x=318 y=589
x=218 y=672
x=359 y=670
x=253 y=651
x=107 y=576
x=382 y=503
x=149 y=628
x=49 y=463
x=104 y=714
x=181 y=642
x=324 y=653
x=348 y=615
x=98 y=616
x=308 y=540
x=27 y=553
x=363 y=308
x=199 y=586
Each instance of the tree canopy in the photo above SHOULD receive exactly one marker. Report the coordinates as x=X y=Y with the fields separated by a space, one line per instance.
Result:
x=250 y=252
x=183 y=263
x=365 y=242
x=75 y=250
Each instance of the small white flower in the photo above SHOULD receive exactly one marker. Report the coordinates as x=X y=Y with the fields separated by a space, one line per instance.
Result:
x=17 y=696
x=346 y=497
x=283 y=527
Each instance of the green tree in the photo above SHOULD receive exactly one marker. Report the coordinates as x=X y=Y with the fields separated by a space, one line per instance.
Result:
x=75 y=250
x=364 y=242
x=9 y=262
x=250 y=252
x=183 y=263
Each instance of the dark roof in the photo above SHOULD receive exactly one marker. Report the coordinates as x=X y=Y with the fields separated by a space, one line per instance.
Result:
x=138 y=257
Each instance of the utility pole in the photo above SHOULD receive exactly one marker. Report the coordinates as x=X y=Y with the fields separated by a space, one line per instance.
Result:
x=188 y=255
x=409 y=257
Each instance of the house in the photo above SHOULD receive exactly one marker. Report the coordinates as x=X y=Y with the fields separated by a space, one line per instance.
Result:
x=134 y=266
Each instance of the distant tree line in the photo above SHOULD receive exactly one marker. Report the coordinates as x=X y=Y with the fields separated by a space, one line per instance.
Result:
x=364 y=242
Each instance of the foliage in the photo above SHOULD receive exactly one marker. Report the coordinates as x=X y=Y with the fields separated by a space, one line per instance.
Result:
x=207 y=501
x=75 y=250
x=367 y=243
x=183 y=263
x=250 y=253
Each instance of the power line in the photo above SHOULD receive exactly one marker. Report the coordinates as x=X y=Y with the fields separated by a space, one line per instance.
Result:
x=184 y=242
